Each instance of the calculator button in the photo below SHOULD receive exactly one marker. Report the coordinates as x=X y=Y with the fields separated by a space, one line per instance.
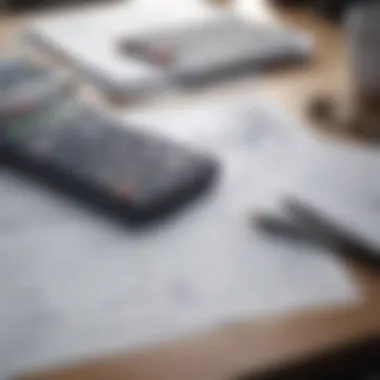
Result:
x=126 y=191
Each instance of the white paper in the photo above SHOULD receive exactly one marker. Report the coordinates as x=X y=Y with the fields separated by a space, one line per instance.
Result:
x=73 y=284
x=91 y=41
x=340 y=183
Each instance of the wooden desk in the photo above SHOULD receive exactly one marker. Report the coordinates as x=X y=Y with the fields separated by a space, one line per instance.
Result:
x=260 y=348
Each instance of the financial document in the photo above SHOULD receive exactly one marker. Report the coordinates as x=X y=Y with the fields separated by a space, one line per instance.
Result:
x=74 y=284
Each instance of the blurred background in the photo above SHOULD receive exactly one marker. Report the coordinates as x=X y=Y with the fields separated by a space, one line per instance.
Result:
x=189 y=189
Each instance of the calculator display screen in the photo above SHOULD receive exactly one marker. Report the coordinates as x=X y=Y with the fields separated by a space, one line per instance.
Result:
x=43 y=118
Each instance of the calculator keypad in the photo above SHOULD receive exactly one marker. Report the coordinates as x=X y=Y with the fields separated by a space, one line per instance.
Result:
x=130 y=164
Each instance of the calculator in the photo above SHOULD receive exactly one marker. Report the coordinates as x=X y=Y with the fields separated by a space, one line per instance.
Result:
x=217 y=49
x=137 y=176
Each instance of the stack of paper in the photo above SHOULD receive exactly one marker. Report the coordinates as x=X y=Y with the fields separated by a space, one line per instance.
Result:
x=73 y=284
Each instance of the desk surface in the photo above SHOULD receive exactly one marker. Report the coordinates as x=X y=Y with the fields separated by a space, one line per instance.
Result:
x=259 y=346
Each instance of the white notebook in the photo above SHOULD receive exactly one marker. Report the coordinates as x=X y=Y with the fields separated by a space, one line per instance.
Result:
x=90 y=41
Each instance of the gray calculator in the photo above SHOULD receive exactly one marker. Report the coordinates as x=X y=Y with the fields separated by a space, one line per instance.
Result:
x=218 y=48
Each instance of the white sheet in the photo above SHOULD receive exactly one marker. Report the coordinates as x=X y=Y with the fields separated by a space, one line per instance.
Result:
x=73 y=284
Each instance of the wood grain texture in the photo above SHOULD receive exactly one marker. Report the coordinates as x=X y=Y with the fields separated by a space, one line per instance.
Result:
x=262 y=347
